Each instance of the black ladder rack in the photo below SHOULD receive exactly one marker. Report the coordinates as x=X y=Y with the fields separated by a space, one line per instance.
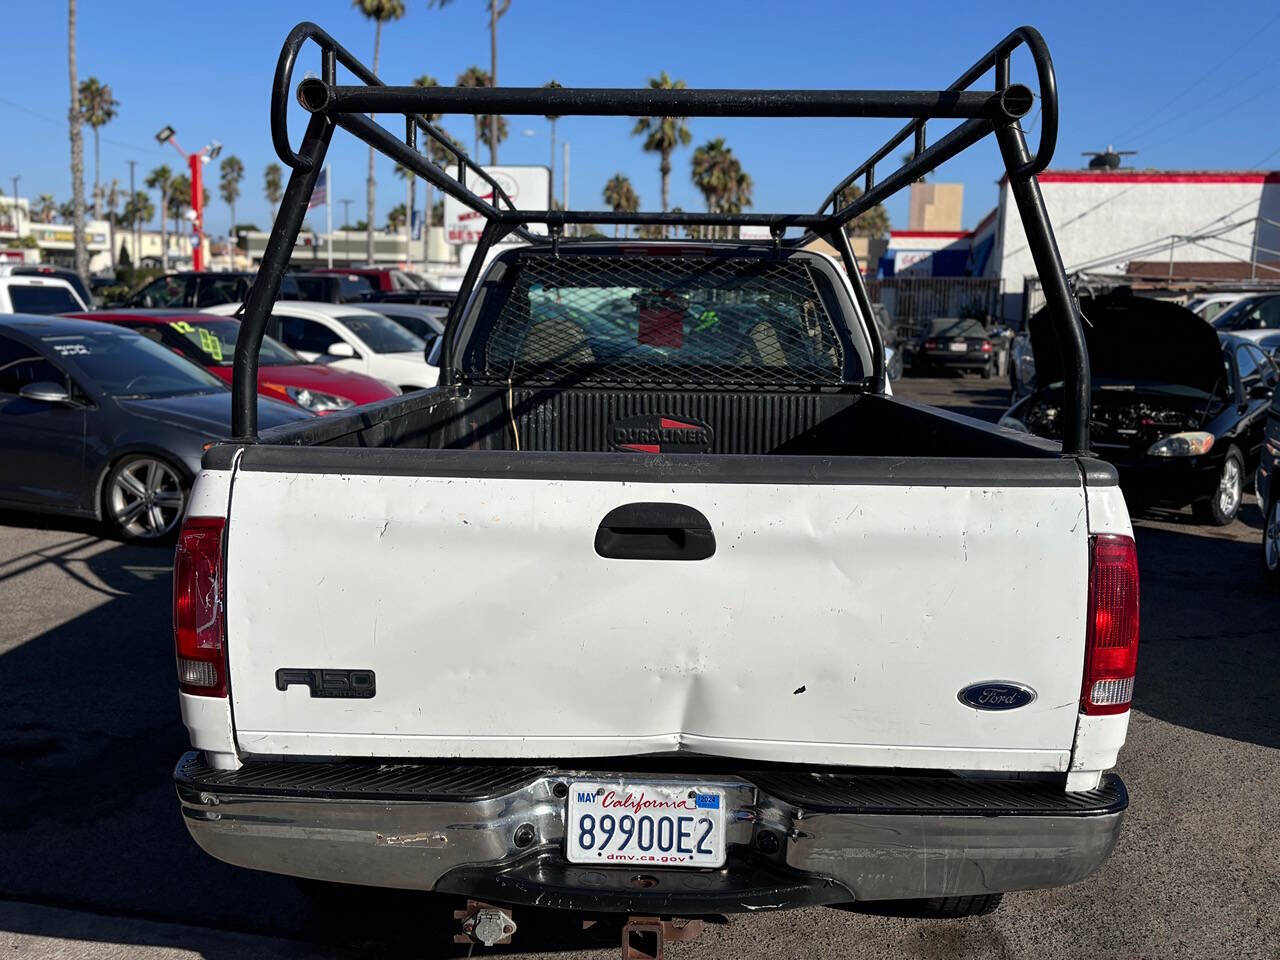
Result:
x=995 y=111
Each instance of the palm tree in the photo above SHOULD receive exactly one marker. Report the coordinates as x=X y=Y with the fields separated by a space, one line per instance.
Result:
x=719 y=176
x=477 y=77
x=396 y=217
x=424 y=81
x=231 y=172
x=67 y=212
x=663 y=134
x=273 y=186
x=552 y=120
x=161 y=179
x=138 y=210
x=46 y=207
x=113 y=200
x=380 y=12
x=873 y=223
x=496 y=124
x=621 y=198
x=74 y=119
x=97 y=109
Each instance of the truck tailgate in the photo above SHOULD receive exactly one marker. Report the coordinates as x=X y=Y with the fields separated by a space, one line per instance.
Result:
x=836 y=622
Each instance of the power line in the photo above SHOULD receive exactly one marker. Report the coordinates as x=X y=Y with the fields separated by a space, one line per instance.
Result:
x=64 y=125
x=1212 y=117
x=1218 y=63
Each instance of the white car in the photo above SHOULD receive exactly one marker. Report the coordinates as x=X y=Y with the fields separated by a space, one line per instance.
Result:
x=38 y=294
x=1208 y=306
x=349 y=338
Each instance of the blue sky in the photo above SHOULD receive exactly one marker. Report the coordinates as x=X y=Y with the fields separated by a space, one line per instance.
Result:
x=1189 y=85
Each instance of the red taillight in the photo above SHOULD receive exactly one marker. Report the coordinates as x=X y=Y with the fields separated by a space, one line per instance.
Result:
x=197 y=607
x=986 y=346
x=931 y=344
x=1111 y=643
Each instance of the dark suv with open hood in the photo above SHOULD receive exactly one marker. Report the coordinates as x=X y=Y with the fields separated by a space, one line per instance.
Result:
x=1178 y=408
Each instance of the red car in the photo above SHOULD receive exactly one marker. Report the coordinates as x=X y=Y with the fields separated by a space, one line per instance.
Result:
x=210 y=341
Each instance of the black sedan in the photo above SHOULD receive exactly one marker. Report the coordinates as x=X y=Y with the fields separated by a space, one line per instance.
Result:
x=1177 y=408
x=953 y=343
x=1268 y=488
x=98 y=421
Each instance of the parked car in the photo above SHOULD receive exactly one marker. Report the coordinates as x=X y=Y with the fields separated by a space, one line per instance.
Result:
x=1178 y=408
x=424 y=322
x=1267 y=485
x=327 y=287
x=190 y=289
x=1268 y=340
x=350 y=337
x=1259 y=312
x=371 y=279
x=1209 y=306
x=426 y=298
x=953 y=343
x=38 y=295
x=50 y=272
x=282 y=375
x=97 y=421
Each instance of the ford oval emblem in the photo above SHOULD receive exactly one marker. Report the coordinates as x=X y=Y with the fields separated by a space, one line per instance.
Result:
x=996 y=695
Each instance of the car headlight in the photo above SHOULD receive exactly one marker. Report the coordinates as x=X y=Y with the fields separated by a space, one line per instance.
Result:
x=1193 y=443
x=1012 y=423
x=315 y=401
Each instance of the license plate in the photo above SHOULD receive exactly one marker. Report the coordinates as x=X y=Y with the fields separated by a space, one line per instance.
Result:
x=672 y=825
x=958 y=347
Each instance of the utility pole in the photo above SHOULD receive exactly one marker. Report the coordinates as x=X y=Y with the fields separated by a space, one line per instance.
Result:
x=136 y=232
x=17 y=223
x=346 y=223
x=564 y=189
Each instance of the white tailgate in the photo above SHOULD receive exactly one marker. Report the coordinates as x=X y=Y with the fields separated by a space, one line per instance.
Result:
x=834 y=624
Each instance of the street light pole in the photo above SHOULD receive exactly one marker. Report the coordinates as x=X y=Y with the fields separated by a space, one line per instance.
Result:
x=195 y=162
x=17 y=222
x=346 y=222
x=136 y=233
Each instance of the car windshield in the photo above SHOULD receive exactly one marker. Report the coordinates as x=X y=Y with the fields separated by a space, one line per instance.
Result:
x=29 y=298
x=214 y=341
x=381 y=334
x=951 y=327
x=128 y=365
x=1232 y=317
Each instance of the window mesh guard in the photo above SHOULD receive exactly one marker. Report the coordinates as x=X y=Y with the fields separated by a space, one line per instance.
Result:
x=639 y=321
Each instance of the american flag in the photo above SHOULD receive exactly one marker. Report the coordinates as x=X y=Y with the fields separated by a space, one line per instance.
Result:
x=320 y=195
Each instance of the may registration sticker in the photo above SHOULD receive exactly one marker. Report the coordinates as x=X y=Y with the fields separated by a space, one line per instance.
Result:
x=671 y=825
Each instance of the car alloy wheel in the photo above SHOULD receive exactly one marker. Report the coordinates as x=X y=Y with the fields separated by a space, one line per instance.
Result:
x=1271 y=540
x=1230 y=487
x=145 y=499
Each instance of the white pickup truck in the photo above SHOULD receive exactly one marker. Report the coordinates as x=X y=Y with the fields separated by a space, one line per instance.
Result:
x=659 y=604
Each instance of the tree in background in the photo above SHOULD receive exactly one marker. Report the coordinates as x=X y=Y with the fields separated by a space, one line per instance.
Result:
x=138 y=210
x=98 y=107
x=112 y=201
x=273 y=187
x=662 y=135
x=45 y=208
x=874 y=223
x=496 y=125
x=396 y=218
x=180 y=200
x=380 y=12
x=77 y=151
x=552 y=120
x=719 y=176
x=161 y=180
x=231 y=172
x=486 y=126
x=621 y=197
x=424 y=81
x=66 y=211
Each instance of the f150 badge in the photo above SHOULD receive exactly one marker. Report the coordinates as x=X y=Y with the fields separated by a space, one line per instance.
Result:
x=350 y=684
x=658 y=434
x=996 y=695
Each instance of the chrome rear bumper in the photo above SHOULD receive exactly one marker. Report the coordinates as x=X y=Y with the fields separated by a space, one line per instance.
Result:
x=795 y=838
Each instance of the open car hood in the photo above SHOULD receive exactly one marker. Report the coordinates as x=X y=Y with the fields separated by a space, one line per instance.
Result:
x=1135 y=339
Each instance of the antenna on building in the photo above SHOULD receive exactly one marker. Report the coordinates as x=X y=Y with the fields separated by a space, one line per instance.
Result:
x=1108 y=159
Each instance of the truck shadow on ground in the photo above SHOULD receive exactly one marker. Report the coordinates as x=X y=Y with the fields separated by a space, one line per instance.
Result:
x=88 y=816
x=1209 y=657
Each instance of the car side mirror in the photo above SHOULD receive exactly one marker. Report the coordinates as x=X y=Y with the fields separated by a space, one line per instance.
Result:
x=1261 y=391
x=44 y=391
x=340 y=348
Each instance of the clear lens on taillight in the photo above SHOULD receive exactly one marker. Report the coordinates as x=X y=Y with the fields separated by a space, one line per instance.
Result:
x=1111 y=643
x=197 y=607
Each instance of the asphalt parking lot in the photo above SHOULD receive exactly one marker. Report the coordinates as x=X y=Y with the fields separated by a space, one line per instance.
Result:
x=94 y=860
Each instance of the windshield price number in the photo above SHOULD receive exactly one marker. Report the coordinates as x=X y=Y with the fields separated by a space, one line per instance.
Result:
x=667 y=825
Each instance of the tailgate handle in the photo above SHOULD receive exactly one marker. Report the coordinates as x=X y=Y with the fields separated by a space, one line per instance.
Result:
x=655 y=531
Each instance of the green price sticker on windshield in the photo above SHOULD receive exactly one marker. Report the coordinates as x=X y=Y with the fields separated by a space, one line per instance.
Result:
x=210 y=344
x=183 y=327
